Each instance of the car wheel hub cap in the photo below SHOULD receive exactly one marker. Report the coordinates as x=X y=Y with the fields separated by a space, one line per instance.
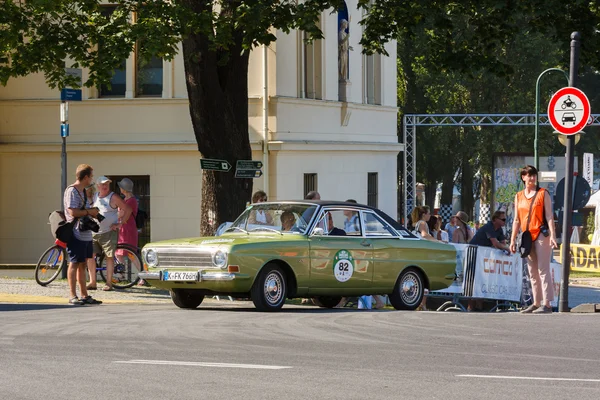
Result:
x=273 y=288
x=410 y=289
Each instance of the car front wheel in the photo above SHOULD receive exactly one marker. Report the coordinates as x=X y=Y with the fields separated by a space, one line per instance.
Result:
x=186 y=298
x=270 y=289
x=409 y=290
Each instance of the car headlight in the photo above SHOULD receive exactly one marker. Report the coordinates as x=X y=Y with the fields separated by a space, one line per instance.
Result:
x=150 y=257
x=219 y=259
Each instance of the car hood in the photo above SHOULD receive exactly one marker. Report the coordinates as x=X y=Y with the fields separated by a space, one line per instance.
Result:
x=227 y=240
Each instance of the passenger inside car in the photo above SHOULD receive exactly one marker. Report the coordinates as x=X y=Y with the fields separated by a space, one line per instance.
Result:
x=333 y=231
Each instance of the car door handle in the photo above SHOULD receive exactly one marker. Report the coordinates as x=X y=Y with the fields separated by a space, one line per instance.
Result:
x=365 y=243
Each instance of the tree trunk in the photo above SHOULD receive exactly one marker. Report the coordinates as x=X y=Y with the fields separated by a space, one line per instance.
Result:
x=218 y=98
x=485 y=191
x=447 y=188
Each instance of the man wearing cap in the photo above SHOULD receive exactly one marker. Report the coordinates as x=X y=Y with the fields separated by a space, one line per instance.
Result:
x=107 y=236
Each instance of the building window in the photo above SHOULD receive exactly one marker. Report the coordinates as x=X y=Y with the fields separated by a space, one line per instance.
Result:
x=141 y=191
x=310 y=183
x=310 y=65
x=148 y=76
x=372 y=71
x=145 y=75
x=372 y=186
x=312 y=69
x=117 y=86
x=148 y=72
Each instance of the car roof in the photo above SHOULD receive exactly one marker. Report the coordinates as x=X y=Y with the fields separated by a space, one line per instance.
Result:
x=333 y=203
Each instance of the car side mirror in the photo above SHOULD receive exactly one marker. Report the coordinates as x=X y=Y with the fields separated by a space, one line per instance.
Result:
x=318 y=232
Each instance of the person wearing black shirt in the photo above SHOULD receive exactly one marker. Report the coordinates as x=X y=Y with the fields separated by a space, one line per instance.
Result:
x=491 y=234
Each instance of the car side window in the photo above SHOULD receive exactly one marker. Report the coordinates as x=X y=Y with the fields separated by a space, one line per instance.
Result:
x=374 y=226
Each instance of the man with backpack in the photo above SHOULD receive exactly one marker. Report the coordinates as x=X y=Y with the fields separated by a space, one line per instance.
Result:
x=79 y=246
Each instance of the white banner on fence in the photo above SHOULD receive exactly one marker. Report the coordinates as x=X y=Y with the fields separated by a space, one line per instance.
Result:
x=457 y=286
x=498 y=276
x=556 y=270
x=588 y=168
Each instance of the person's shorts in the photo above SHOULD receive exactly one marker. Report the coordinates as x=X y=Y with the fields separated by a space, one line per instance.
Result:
x=79 y=251
x=105 y=242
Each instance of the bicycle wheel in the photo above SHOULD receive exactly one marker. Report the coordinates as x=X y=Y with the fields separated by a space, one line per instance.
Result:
x=127 y=267
x=50 y=264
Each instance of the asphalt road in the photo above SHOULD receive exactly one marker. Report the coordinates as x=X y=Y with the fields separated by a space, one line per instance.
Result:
x=228 y=351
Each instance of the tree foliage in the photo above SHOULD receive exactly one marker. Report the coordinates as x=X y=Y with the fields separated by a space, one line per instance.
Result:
x=450 y=78
x=464 y=39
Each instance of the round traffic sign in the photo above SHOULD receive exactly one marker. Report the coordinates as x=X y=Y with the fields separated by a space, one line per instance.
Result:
x=569 y=110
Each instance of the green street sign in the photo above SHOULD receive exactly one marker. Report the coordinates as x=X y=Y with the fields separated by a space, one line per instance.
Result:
x=248 y=164
x=248 y=173
x=214 y=165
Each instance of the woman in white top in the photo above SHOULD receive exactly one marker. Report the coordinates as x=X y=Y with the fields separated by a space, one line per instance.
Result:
x=260 y=217
x=420 y=215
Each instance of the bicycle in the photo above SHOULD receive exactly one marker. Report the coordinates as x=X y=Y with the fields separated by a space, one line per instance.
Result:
x=127 y=266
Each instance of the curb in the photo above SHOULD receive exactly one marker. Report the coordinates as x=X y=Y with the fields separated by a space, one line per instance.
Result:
x=24 y=299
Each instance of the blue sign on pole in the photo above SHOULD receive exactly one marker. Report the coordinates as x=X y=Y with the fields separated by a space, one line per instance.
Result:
x=70 y=95
x=64 y=130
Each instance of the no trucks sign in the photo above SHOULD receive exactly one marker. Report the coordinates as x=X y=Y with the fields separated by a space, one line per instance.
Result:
x=569 y=111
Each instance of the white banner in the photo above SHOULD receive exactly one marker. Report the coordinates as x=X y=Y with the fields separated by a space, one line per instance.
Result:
x=497 y=276
x=588 y=168
x=556 y=271
x=457 y=286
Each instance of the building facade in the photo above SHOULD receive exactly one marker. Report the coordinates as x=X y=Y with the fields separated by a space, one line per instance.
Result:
x=324 y=128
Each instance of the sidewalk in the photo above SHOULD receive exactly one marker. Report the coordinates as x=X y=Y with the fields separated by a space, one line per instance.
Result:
x=28 y=291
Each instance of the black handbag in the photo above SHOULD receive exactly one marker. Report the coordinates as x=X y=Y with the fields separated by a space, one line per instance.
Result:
x=60 y=228
x=524 y=239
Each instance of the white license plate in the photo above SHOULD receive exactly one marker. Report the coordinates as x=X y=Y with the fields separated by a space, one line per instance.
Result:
x=180 y=275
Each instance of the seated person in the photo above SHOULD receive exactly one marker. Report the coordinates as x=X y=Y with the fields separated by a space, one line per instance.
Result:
x=351 y=223
x=333 y=231
x=287 y=221
x=260 y=217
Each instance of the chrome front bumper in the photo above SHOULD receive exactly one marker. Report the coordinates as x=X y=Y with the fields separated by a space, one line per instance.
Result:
x=219 y=276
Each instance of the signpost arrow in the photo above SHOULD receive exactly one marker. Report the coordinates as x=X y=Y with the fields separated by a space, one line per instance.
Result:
x=214 y=165
x=248 y=169
x=248 y=173
x=248 y=164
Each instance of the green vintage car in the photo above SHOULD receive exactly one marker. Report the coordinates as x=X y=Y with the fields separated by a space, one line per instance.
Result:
x=321 y=249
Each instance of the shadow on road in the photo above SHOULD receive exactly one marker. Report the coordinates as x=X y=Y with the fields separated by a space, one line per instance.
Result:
x=32 y=307
x=289 y=310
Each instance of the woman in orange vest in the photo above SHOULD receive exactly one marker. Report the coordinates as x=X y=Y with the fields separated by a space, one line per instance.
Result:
x=539 y=220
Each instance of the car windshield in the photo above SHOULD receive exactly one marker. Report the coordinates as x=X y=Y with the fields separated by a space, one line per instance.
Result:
x=283 y=218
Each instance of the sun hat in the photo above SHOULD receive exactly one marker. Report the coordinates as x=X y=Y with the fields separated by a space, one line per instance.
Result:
x=462 y=216
x=103 y=179
x=126 y=184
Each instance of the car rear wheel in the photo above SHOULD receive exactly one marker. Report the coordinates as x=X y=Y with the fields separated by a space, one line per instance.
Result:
x=328 y=301
x=270 y=289
x=186 y=298
x=409 y=290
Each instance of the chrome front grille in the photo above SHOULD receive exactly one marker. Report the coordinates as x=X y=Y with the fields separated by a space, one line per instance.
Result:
x=184 y=258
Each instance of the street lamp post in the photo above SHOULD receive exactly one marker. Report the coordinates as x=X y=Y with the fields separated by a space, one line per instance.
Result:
x=537 y=112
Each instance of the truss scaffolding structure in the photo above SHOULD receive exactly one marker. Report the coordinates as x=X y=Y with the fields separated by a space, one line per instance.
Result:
x=412 y=121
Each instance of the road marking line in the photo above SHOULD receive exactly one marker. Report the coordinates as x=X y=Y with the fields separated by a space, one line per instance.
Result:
x=202 y=364
x=533 y=378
